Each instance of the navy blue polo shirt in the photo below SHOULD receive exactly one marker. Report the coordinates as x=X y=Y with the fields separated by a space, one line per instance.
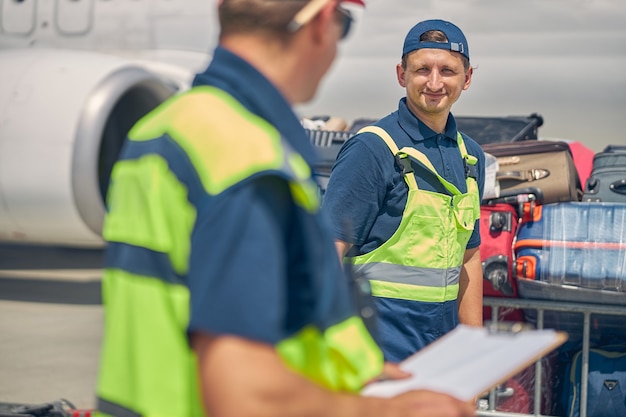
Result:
x=261 y=268
x=366 y=193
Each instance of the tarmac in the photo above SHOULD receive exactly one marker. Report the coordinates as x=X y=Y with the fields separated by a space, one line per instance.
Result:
x=50 y=324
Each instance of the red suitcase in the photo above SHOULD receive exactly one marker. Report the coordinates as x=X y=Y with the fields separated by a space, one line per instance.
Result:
x=498 y=225
x=499 y=220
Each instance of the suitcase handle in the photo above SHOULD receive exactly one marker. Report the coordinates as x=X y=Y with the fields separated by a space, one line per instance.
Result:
x=528 y=176
x=592 y=186
x=618 y=187
x=520 y=198
x=502 y=391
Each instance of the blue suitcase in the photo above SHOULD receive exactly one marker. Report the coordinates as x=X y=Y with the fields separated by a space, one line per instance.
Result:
x=577 y=244
x=574 y=251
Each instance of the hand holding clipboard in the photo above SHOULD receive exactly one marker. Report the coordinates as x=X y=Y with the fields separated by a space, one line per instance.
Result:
x=469 y=361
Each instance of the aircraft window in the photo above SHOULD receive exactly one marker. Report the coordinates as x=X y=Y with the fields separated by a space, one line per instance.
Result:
x=73 y=17
x=17 y=17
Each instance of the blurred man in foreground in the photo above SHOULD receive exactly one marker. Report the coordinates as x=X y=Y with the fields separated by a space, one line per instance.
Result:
x=223 y=294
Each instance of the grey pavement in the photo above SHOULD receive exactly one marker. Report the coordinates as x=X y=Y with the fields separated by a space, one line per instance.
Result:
x=50 y=325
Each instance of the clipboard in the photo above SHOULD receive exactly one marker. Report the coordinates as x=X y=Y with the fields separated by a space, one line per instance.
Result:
x=468 y=361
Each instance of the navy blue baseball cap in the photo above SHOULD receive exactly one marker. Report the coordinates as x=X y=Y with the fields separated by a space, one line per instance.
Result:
x=456 y=39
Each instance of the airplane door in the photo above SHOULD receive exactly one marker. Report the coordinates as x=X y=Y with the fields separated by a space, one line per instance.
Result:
x=17 y=17
x=73 y=17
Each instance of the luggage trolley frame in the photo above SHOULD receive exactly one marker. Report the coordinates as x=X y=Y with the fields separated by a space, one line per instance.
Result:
x=586 y=309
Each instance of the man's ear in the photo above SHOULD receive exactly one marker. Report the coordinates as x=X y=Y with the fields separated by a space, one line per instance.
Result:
x=468 y=78
x=324 y=23
x=400 y=74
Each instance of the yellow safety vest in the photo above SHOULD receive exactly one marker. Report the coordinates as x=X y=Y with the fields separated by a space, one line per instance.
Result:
x=147 y=367
x=414 y=275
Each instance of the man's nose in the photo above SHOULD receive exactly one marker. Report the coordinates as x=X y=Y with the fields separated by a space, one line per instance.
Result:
x=434 y=81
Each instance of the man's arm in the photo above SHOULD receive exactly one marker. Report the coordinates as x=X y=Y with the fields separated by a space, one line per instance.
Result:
x=471 y=289
x=243 y=378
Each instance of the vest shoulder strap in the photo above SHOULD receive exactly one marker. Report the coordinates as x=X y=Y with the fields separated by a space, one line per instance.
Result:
x=401 y=155
x=469 y=161
x=401 y=159
x=382 y=133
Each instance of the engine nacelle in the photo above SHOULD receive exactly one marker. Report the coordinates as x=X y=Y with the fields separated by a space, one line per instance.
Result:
x=63 y=118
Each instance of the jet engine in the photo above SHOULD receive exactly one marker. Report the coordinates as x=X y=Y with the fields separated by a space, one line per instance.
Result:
x=64 y=116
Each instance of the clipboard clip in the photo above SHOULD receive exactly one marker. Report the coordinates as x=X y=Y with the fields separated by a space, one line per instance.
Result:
x=508 y=327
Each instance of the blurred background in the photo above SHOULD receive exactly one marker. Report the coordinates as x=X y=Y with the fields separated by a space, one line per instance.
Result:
x=563 y=59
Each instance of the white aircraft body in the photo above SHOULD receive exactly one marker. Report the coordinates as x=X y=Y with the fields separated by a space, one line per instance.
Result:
x=76 y=74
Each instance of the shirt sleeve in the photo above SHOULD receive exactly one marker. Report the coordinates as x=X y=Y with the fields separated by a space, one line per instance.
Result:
x=237 y=273
x=356 y=189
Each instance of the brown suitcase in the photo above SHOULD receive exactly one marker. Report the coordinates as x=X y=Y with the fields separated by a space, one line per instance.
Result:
x=547 y=165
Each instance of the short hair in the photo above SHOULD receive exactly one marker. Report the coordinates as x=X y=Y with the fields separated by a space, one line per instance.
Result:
x=270 y=17
x=436 y=36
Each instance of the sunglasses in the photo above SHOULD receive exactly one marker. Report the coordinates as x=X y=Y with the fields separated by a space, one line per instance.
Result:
x=312 y=8
x=346 y=21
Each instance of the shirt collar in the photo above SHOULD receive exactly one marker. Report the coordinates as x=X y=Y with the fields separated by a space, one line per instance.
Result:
x=245 y=83
x=419 y=131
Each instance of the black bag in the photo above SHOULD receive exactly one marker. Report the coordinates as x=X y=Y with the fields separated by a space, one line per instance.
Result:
x=607 y=181
x=326 y=160
x=327 y=144
x=485 y=130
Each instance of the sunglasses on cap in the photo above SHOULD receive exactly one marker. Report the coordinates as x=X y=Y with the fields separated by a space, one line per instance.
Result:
x=346 y=21
x=312 y=8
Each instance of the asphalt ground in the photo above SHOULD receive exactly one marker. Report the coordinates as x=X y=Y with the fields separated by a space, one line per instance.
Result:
x=50 y=324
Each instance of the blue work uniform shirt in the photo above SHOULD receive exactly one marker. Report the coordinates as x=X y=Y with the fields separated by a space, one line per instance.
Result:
x=366 y=192
x=259 y=268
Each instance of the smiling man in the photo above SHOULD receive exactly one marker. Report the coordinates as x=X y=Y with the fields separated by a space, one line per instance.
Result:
x=404 y=196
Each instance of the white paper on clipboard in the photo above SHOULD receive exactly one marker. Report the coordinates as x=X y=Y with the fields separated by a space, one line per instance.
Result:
x=469 y=361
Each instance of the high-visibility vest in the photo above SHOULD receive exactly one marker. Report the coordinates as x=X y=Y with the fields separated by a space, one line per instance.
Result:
x=206 y=136
x=422 y=260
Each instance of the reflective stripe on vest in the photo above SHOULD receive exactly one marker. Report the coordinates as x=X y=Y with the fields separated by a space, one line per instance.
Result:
x=147 y=368
x=422 y=260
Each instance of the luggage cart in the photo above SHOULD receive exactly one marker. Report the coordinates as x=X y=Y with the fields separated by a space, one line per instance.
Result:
x=587 y=310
